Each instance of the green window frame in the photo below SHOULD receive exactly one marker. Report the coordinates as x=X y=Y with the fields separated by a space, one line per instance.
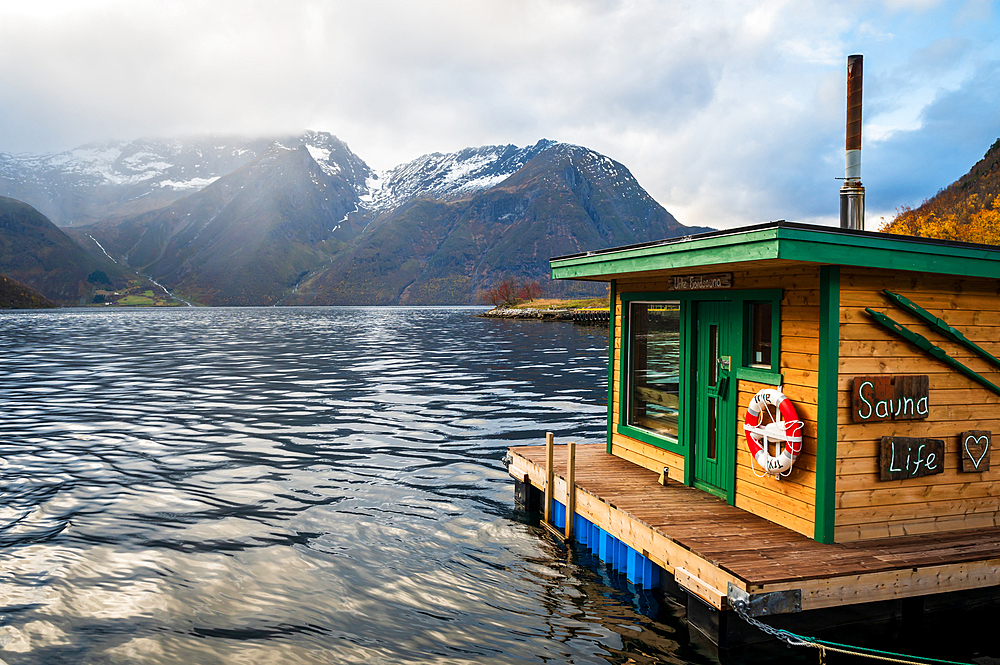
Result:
x=655 y=398
x=749 y=369
x=745 y=297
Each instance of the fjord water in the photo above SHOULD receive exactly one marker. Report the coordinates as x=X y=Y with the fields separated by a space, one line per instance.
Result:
x=298 y=485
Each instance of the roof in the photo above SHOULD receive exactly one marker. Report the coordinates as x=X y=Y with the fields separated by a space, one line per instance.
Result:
x=785 y=241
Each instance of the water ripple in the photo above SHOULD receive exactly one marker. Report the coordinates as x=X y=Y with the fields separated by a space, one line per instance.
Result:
x=295 y=485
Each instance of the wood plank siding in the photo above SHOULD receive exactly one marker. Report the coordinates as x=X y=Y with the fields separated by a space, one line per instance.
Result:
x=791 y=501
x=713 y=544
x=865 y=506
x=826 y=277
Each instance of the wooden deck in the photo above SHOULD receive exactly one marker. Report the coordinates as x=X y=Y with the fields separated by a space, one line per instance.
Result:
x=707 y=544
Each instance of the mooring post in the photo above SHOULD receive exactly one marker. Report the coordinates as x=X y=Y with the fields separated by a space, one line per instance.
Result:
x=570 y=488
x=549 y=476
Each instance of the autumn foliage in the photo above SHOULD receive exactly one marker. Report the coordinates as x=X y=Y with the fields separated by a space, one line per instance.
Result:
x=968 y=210
x=510 y=291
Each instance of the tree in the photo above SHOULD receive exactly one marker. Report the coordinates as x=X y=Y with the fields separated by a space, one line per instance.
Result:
x=510 y=291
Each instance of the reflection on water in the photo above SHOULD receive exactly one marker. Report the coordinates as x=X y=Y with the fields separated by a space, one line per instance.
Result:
x=296 y=486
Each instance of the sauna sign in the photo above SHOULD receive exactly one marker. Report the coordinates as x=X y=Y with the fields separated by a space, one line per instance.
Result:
x=884 y=397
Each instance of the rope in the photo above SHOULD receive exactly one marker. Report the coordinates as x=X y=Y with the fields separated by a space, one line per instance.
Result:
x=791 y=639
x=861 y=652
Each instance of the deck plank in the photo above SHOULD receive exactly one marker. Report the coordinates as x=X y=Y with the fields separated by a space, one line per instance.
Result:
x=745 y=545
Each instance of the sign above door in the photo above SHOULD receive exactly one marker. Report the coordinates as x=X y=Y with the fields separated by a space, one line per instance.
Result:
x=719 y=280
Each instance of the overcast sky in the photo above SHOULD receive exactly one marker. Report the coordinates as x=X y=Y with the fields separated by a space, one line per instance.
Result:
x=727 y=112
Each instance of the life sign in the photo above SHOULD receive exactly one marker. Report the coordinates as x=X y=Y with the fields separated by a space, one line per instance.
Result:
x=885 y=397
x=903 y=457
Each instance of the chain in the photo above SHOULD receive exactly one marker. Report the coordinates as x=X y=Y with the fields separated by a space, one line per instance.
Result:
x=740 y=607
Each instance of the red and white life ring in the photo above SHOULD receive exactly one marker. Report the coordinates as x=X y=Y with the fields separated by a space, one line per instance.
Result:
x=785 y=426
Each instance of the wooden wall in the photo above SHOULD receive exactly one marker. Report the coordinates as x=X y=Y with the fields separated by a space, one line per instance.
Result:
x=789 y=501
x=867 y=507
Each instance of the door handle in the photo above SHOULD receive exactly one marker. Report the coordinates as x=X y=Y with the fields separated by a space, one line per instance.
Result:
x=723 y=387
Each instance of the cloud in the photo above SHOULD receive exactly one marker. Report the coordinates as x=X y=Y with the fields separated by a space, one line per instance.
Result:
x=954 y=132
x=727 y=113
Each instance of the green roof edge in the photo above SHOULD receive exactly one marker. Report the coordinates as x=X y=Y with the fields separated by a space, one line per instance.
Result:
x=793 y=242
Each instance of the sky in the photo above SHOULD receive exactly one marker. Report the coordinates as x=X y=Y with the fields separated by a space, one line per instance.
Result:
x=727 y=112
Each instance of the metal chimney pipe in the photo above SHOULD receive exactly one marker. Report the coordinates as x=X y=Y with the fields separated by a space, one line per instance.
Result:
x=852 y=194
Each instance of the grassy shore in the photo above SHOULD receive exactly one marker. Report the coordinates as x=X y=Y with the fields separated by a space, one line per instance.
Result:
x=565 y=305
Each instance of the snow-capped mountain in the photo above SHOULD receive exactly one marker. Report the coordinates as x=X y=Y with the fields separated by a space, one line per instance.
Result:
x=451 y=225
x=448 y=176
x=302 y=219
x=119 y=179
x=246 y=238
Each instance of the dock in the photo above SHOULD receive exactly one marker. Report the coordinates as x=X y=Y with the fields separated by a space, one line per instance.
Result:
x=714 y=550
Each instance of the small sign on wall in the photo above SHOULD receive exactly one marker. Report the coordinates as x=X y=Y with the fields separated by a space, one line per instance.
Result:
x=975 y=449
x=903 y=457
x=884 y=397
x=719 y=280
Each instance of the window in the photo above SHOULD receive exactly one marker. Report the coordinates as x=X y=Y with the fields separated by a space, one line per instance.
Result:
x=760 y=320
x=654 y=367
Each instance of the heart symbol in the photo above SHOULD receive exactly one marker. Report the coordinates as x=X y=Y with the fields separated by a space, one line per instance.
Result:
x=977 y=440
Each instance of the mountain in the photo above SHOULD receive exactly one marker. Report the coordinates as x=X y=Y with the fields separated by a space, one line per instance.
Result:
x=246 y=238
x=119 y=179
x=36 y=252
x=443 y=227
x=967 y=210
x=446 y=177
x=14 y=295
x=303 y=220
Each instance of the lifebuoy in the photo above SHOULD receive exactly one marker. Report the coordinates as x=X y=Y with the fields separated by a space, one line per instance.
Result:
x=785 y=426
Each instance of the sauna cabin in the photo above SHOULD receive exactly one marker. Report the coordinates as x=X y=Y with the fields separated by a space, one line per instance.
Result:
x=885 y=346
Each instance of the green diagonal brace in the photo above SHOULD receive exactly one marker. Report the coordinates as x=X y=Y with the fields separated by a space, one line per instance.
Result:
x=924 y=345
x=942 y=327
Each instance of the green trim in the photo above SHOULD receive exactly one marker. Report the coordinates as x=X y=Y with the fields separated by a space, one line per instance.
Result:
x=803 y=244
x=685 y=415
x=954 y=334
x=624 y=394
x=759 y=375
x=737 y=327
x=745 y=362
x=611 y=363
x=711 y=489
x=922 y=343
x=688 y=299
x=623 y=366
x=826 y=434
x=651 y=439
x=728 y=295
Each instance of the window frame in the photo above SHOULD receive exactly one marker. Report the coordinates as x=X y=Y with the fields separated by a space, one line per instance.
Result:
x=625 y=377
x=748 y=310
x=743 y=297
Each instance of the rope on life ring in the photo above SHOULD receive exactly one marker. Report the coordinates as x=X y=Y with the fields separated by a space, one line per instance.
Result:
x=784 y=426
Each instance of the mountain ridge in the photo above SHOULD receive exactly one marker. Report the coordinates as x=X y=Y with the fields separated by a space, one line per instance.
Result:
x=117 y=179
x=967 y=210
x=564 y=198
x=303 y=220
x=38 y=254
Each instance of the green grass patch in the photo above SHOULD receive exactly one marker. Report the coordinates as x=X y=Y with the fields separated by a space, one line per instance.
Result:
x=137 y=301
x=551 y=303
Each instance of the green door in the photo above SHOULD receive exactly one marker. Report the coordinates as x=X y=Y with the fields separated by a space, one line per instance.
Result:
x=714 y=398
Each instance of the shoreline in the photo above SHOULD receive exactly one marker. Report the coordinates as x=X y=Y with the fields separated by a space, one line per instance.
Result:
x=589 y=316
